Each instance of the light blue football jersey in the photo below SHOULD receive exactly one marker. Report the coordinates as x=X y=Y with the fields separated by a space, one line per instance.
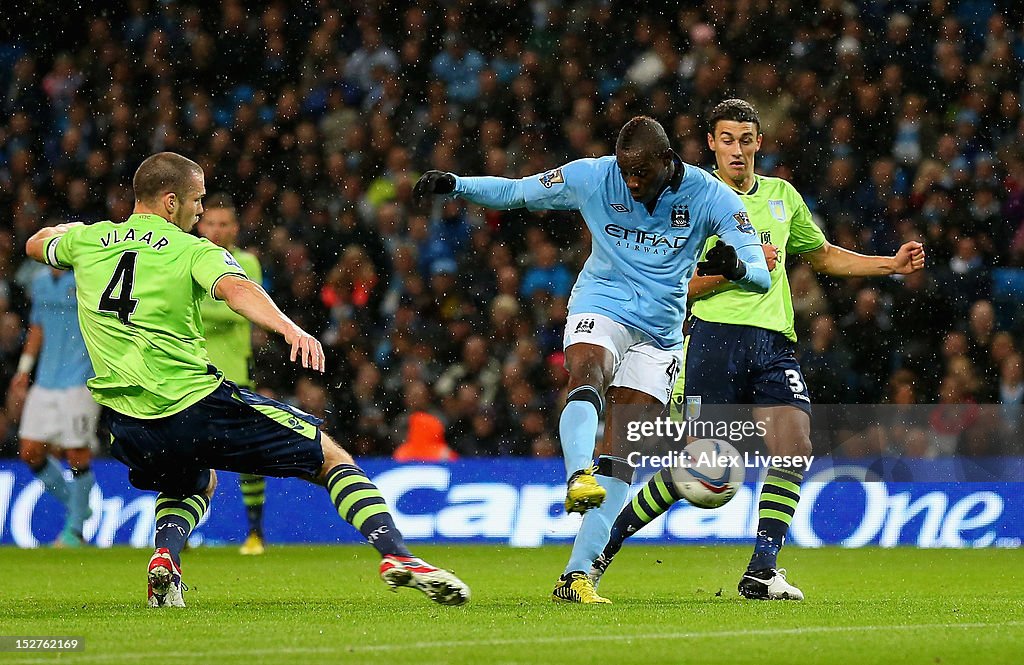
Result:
x=640 y=263
x=63 y=359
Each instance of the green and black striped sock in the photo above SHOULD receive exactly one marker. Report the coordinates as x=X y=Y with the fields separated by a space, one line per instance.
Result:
x=779 y=497
x=176 y=518
x=360 y=503
x=254 y=493
x=657 y=496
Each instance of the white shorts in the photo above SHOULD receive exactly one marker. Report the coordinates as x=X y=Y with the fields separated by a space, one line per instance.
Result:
x=63 y=418
x=639 y=363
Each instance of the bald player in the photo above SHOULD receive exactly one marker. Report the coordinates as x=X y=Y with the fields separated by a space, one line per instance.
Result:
x=649 y=215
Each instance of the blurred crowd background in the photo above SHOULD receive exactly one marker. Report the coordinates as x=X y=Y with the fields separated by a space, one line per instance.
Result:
x=443 y=324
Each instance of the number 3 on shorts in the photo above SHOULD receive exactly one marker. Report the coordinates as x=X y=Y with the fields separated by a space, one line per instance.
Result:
x=796 y=383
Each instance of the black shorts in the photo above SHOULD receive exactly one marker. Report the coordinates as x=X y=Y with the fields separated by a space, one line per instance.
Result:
x=733 y=364
x=232 y=429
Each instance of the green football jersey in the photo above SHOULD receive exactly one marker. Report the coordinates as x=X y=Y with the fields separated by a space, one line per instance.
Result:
x=228 y=333
x=781 y=218
x=139 y=285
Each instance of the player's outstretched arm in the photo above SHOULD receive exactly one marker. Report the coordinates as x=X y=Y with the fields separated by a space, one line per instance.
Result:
x=557 y=189
x=839 y=262
x=488 y=191
x=251 y=301
x=35 y=247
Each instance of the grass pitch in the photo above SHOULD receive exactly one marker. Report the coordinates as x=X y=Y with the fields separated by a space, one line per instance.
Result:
x=671 y=605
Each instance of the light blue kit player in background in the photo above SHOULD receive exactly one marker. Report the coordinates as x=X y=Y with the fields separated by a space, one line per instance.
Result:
x=649 y=215
x=59 y=416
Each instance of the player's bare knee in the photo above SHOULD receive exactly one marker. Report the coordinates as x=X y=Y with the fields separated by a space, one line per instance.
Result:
x=79 y=459
x=794 y=445
x=803 y=446
x=588 y=367
x=334 y=454
x=32 y=453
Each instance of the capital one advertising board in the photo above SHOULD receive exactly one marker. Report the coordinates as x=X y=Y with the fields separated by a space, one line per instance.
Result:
x=519 y=503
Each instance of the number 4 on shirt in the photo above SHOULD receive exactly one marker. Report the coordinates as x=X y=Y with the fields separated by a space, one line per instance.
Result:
x=122 y=280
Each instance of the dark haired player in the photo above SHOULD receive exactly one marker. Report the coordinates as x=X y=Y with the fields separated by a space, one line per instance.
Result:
x=229 y=344
x=172 y=415
x=649 y=215
x=740 y=346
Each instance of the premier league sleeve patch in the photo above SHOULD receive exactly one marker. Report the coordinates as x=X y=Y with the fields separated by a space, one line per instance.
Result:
x=743 y=222
x=230 y=260
x=552 y=177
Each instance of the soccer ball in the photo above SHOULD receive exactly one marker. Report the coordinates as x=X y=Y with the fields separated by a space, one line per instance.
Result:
x=709 y=473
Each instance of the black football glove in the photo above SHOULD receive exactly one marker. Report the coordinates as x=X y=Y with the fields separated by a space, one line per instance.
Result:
x=433 y=182
x=722 y=260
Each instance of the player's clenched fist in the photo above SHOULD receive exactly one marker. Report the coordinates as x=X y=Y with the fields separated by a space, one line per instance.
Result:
x=771 y=255
x=909 y=258
x=433 y=182
x=722 y=260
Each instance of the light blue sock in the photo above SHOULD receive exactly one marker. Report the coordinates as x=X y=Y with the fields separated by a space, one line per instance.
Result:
x=52 y=476
x=577 y=428
x=597 y=525
x=78 y=506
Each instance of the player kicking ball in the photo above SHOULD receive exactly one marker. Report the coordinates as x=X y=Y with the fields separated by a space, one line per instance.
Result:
x=172 y=415
x=649 y=215
x=741 y=345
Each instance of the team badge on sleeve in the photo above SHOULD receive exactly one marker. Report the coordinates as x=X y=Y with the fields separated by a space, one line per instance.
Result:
x=692 y=411
x=743 y=222
x=552 y=177
x=778 y=209
x=230 y=260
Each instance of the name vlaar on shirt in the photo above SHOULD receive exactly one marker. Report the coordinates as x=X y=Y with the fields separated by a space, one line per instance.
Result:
x=114 y=237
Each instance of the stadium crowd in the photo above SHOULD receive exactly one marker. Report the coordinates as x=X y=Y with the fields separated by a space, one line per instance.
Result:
x=443 y=324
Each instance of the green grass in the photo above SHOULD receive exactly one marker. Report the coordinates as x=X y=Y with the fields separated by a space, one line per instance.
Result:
x=671 y=604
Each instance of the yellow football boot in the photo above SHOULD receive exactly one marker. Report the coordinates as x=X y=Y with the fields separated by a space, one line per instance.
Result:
x=252 y=545
x=576 y=587
x=583 y=492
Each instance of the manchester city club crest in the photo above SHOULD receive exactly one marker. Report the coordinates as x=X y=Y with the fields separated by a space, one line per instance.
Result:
x=777 y=209
x=680 y=216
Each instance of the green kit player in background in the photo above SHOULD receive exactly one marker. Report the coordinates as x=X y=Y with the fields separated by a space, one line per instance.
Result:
x=740 y=346
x=229 y=344
x=172 y=415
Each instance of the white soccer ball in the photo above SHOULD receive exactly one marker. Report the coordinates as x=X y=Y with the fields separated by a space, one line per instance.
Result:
x=709 y=473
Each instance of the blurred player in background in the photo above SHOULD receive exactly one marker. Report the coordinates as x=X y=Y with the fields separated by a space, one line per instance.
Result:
x=740 y=346
x=60 y=416
x=229 y=344
x=650 y=215
x=172 y=415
